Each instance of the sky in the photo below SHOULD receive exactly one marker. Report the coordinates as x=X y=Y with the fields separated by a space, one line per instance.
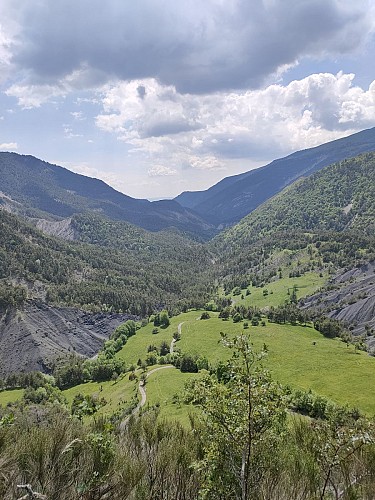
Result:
x=156 y=97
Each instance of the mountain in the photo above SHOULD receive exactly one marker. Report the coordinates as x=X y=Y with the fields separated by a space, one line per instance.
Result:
x=234 y=197
x=35 y=188
x=328 y=221
x=340 y=197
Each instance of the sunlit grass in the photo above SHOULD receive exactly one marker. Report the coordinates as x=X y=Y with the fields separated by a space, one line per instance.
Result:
x=10 y=396
x=136 y=346
x=298 y=356
x=117 y=394
x=278 y=292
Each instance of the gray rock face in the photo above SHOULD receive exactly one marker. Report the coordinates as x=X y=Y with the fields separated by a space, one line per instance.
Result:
x=61 y=229
x=351 y=299
x=32 y=337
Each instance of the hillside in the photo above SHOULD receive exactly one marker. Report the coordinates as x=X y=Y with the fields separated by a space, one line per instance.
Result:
x=137 y=271
x=33 y=336
x=339 y=198
x=350 y=297
x=322 y=224
x=234 y=197
x=38 y=189
x=115 y=268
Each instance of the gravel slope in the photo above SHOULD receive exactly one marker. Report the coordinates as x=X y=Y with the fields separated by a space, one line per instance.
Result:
x=32 y=337
x=351 y=299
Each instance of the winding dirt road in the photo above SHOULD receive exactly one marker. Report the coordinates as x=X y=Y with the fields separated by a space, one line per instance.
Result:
x=142 y=391
x=174 y=340
x=141 y=385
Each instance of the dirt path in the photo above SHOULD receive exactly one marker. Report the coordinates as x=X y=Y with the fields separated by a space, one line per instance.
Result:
x=174 y=340
x=142 y=391
x=179 y=327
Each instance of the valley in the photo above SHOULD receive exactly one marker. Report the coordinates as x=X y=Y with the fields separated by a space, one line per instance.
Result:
x=187 y=250
x=121 y=329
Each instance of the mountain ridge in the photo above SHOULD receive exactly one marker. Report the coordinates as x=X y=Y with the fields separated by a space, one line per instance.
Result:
x=37 y=188
x=234 y=197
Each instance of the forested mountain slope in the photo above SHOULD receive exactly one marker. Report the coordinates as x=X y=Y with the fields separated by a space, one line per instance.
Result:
x=136 y=273
x=235 y=197
x=35 y=188
x=145 y=269
x=340 y=197
x=327 y=222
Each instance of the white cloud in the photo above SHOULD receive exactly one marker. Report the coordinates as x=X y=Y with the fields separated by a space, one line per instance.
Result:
x=33 y=96
x=77 y=115
x=5 y=52
x=218 y=128
x=161 y=171
x=206 y=162
x=69 y=134
x=8 y=146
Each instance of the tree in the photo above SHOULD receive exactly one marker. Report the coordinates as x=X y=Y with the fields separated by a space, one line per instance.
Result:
x=225 y=313
x=242 y=420
x=293 y=296
x=70 y=372
x=188 y=364
x=164 y=348
x=237 y=318
x=164 y=319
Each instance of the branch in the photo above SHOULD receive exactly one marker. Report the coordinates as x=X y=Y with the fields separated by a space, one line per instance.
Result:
x=30 y=493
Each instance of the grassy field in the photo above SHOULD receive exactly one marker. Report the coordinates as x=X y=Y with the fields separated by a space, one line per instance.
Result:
x=10 y=396
x=136 y=347
x=117 y=394
x=298 y=356
x=278 y=290
x=165 y=387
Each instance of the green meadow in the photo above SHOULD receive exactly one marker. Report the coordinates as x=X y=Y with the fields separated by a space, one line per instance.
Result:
x=165 y=388
x=297 y=356
x=136 y=346
x=117 y=394
x=278 y=292
x=10 y=396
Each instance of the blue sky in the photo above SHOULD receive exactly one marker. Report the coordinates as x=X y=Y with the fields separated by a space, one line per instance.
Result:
x=156 y=97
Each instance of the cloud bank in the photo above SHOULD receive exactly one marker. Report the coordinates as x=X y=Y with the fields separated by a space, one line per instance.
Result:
x=197 y=47
x=202 y=132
